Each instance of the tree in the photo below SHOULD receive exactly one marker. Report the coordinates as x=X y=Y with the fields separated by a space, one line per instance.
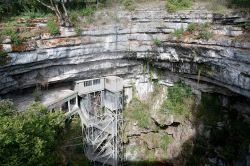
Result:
x=28 y=138
x=58 y=6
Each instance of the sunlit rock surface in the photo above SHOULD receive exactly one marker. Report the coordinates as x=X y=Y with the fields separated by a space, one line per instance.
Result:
x=108 y=48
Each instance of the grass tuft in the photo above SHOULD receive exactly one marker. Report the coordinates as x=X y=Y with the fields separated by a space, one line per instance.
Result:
x=178 y=33
x=204 y=32
x=164 y=142
x=11 y=31
x=157 y=41
x=175 y=5
x=53 y=27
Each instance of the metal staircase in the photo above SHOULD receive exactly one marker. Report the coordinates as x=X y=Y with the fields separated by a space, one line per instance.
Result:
x=101 y=126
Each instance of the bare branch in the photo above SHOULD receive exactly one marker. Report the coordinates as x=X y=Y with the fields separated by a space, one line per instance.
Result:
x=46 y=5
x=65 y=10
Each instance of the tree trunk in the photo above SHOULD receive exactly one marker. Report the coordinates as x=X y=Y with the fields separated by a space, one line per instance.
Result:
x=62 y=16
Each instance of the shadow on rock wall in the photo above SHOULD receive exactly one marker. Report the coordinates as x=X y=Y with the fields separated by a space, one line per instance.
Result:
x=222 y=135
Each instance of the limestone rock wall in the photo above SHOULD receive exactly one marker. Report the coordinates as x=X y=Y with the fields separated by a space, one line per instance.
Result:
x=119 y=47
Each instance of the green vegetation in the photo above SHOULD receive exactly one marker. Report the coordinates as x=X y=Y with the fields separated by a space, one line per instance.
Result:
x=151 y=156
x=35 y=9
x=246 y=26
x=204 y=32
x=156 y=41
x=74 y=17
x=11 y=31
x=37 y=14
x=78 y=30
x=178 y=33
x=71 y=135
x=138 y=111
x=180 y=100
x=164 y=142
x=129 y=4
x=174 y=5
x=88 y=11
x=202 y=29
x=37 y=94
x=88 y=14
x=53 y=27
x=191 y=27
x=3 y=54
x=4 y=58
x=28 y=138
x=205 y=69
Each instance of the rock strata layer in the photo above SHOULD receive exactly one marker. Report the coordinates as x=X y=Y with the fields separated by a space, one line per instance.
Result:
x=119 y=49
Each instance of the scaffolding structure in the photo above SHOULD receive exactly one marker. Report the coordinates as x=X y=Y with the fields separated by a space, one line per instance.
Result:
x=101 y=116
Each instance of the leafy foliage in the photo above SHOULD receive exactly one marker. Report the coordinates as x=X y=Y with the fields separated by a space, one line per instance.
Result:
x=28 y=138
x=174 y=5
x=53 y=27
x=180 y=100
x=72 y=155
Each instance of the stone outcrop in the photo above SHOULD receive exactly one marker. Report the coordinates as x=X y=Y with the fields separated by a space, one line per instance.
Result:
x=107 y=48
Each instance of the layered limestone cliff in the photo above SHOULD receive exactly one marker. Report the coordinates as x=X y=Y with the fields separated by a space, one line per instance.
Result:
x=119 y=41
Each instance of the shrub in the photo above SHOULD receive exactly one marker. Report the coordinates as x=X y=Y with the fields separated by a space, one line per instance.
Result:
x=53 y=28
x=74 y=17
x=4 y=58
x=180 y=100
x=78 y=30
x=34 y=133
x=204 y=32
x=157 y=41
x=37 y=94
x=178 y=33
x=129 y=4
x=88 y=11
x=6 y=108
x=3 y=54
x=12 y=33
x=174 y=5
x=191 y=27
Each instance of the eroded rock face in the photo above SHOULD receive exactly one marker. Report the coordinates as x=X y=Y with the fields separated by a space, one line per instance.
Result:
x=107 y=49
